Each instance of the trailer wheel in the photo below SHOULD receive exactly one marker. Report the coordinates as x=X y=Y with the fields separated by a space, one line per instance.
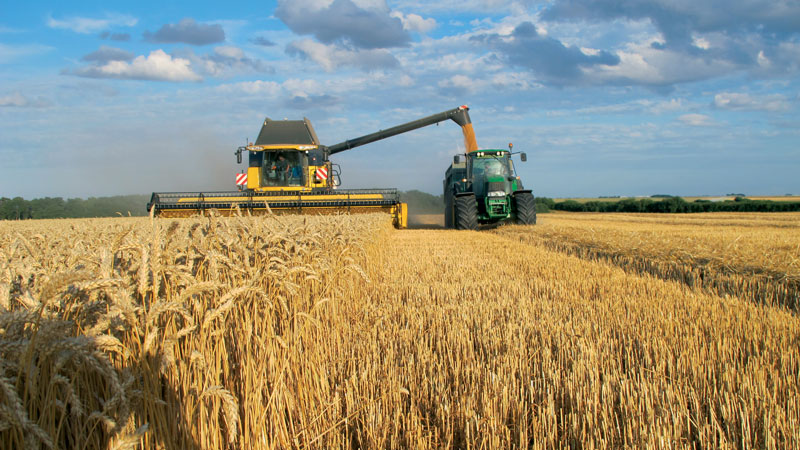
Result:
x=466 y=213
x=526 y=208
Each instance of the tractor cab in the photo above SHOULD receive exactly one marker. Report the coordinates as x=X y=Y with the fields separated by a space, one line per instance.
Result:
x=491 y=172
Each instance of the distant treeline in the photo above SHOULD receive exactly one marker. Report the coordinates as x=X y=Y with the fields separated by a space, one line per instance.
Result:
x=418 y=203
x=136 y=205
x=56 y=207
x=673 y=205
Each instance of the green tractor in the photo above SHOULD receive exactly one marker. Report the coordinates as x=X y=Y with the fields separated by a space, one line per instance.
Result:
x=484 y=190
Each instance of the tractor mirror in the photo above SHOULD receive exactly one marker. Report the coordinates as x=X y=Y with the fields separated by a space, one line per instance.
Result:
x=456 y=159
x=523 y=156
x=238 y=156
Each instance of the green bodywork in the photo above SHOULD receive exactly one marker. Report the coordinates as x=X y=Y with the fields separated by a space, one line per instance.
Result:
x=489 y=174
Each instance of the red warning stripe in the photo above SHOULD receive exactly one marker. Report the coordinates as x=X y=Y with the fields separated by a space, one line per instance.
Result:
x=241 y=179
x=321 y=173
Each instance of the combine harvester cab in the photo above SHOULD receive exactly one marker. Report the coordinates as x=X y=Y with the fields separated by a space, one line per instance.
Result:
x=288 y=173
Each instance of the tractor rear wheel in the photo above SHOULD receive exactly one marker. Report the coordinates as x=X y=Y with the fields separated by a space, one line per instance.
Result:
x=526 y=208
x=466 y=213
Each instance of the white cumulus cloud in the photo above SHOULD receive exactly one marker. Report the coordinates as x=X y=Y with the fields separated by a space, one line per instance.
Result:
x=458 y=84
x=414 y=22
x=156 y=66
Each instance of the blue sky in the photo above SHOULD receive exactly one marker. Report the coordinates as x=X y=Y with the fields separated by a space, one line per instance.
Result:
x=606 y=97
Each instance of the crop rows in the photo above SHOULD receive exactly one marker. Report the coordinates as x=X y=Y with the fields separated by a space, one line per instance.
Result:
x=340 y=332
x=752 y=255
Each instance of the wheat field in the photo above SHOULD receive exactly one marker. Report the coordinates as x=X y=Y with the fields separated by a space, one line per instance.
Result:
x=585 y=331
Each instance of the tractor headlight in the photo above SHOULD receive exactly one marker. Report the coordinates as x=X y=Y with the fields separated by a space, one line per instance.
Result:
x=496 y=194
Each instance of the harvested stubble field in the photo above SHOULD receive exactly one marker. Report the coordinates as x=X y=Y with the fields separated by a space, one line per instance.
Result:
x=340 y=332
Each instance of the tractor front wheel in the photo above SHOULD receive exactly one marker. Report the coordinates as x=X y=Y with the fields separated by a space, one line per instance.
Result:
x=526 y=208
x=466 y=212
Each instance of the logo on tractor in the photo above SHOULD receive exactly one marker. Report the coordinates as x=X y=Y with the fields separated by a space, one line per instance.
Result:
x=321 y=174
x=241 y=179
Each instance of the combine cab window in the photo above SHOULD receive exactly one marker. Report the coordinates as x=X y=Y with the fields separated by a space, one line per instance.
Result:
x=284 y=168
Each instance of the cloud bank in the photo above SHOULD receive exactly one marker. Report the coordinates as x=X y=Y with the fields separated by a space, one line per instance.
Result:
x=187 y=31
x=105 y=54
x=345 y=23
x=549 y=58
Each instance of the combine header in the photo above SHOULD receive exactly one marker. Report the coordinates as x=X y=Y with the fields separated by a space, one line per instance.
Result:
x=289 y=172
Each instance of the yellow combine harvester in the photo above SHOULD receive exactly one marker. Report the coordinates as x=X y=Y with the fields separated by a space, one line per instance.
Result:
x=289 y=172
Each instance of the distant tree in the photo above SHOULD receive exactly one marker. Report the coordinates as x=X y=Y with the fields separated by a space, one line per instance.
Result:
x=544 y=204
x=547 y=201
x=594 y=206
x=628 y=205
x=570 y=205
x=13 y=209
x=670 y=205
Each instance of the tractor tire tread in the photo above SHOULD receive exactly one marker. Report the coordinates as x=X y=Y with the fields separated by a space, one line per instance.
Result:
x=526 y=208
x=466 y=213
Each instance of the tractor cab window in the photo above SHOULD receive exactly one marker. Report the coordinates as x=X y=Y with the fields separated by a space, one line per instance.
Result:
x=494 y=166
x=283 y=168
